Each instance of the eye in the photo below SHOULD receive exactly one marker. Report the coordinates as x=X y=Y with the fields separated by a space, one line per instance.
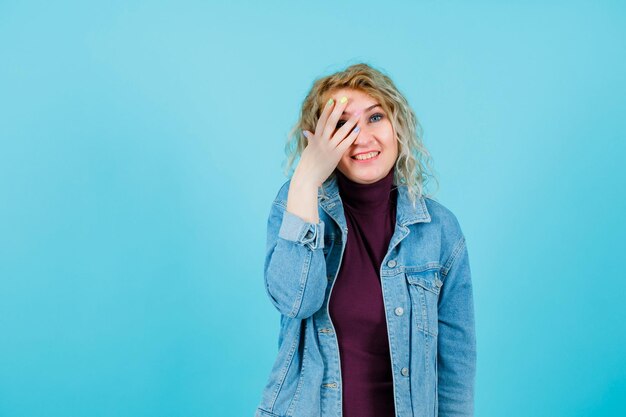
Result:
x=342 y=122
x=377 y=115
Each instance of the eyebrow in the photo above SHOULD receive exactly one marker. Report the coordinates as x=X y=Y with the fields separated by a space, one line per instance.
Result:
x=366 y=110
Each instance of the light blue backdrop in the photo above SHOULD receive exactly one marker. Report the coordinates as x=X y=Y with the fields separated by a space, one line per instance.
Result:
x=141 y=145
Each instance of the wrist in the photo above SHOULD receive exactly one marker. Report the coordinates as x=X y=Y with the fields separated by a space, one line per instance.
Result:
x=309 y=183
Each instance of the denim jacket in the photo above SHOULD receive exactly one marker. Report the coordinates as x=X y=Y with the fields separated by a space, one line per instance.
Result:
x=428 y=301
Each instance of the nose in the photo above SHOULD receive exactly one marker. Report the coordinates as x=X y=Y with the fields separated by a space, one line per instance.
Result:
x=364 y=137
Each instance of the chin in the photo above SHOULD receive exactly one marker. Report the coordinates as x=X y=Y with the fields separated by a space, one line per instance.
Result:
x=364 y=178
x=364 y=175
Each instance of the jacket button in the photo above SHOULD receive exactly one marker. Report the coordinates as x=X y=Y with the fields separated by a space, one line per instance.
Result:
x=391 y=263
x=399 y=311
x=405 y=371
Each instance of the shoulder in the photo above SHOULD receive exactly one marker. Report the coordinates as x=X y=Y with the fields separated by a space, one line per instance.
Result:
x=444 y=219
x=446 y=226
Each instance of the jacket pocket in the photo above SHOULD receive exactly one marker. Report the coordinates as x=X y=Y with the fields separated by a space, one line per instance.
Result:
x=424 y=288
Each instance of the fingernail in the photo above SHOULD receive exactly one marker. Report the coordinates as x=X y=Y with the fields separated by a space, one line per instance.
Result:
x=330 y=101
x=356 y=129
x=343 y=99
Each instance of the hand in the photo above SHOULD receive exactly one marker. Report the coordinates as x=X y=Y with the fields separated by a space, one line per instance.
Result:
x=325 y=147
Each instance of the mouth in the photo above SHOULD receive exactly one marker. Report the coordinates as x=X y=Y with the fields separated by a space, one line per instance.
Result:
x=366 y=156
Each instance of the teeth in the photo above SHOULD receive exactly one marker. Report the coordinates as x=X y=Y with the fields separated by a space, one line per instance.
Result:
x=366 y=155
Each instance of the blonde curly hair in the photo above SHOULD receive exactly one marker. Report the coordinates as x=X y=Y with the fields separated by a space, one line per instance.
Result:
x=413 y=166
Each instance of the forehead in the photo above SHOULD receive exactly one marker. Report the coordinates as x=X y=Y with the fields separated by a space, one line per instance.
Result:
x=352 y=94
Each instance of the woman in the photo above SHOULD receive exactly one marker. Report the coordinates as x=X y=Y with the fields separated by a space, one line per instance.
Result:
x=397 y=336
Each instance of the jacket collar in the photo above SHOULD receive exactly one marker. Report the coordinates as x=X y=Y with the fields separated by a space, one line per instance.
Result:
x=328 y=196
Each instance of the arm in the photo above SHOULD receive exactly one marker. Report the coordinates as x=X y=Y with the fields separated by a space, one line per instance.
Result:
x=456 y=357
x=295 y=268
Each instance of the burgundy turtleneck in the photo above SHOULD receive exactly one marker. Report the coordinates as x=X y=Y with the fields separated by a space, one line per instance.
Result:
x=356 y=304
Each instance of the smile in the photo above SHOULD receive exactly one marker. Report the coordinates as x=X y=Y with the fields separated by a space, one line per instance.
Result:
x=366 y=157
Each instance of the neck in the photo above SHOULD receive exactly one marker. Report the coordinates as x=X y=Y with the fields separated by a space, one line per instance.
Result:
x=366 y=198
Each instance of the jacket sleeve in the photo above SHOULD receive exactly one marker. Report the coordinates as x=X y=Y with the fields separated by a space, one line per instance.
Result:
x=456 y=357
x=295 y=268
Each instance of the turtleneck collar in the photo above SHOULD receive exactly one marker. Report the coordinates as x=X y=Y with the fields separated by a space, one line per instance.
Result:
x=366 y=198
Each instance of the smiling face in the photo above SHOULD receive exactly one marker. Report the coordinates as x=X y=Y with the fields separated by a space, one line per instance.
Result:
x=374 y=152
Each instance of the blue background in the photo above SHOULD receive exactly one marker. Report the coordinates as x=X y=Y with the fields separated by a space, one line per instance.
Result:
x=141 y=147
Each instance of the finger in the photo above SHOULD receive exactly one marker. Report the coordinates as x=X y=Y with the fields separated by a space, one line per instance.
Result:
x=343 y=146
x=345 y=129
x=331 y=123
x=321 y=122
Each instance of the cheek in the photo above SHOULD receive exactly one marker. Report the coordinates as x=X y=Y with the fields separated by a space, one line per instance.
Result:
x=394 y=146
x=392 y=150
x=390 y=132
x=386 y=134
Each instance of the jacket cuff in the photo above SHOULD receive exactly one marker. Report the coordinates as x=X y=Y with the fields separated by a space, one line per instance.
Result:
x=296 y=229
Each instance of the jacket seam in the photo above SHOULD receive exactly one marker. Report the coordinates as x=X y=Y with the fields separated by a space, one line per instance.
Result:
x=455 y=254
x=283 y=376
x=297 y=307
